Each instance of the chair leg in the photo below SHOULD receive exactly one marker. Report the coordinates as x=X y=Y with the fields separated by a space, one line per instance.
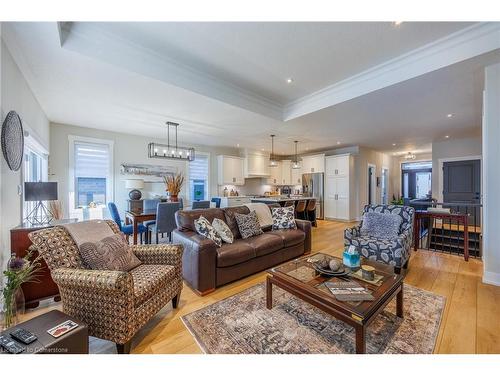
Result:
x=170 y=237
x=157 y=237
x=123 y=348
x=175 y=301
x=141 y=239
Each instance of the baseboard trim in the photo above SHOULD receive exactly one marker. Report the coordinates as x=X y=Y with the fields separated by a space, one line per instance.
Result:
x=492 y=278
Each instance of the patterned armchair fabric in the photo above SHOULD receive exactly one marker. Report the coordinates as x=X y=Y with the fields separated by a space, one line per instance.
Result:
x=114 y=304
x=394 y=251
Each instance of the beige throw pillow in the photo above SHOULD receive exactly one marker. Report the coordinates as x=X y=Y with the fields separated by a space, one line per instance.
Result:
x=223 y=230
x=111 y=253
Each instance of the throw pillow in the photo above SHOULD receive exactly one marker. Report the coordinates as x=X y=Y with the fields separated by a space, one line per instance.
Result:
x=223 y=230
x=206 y=229
x=381 y=225
x=248 y=224
x=111 y=253
x=283 y=218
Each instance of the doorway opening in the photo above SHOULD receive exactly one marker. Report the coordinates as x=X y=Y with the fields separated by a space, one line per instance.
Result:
x=416 y=180
x=384 y=186
x=371 y=184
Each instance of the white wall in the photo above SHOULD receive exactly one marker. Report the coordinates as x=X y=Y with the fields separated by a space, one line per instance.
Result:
x=16 y=95
x=127 y=149
x=449 y=149
x=491 y=176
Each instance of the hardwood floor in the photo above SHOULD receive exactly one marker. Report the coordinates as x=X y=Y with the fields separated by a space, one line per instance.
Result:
x=469 y=325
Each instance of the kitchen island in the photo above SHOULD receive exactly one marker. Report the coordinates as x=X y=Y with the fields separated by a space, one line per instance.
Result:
x=280 y=200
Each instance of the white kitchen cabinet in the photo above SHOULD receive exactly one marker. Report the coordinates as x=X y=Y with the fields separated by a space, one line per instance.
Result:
x=313 y=163
x=230 y=170
x=234 y=201
x=286 y=172
x=338 y=180
x=275 y=175
x=296 y=176
x=256 y=165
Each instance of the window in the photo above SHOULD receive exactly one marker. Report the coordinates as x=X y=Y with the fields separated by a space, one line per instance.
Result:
x=198 y=177
x=416 y=179
x=91 y=177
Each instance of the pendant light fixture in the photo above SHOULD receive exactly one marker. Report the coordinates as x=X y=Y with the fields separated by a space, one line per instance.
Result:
x=296 y=164
x=168 y=151
x=272 y=159
x=410 y=156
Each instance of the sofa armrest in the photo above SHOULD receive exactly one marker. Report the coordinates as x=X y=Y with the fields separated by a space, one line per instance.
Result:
x=199 y=260
x=306 y=227
x=160 y=254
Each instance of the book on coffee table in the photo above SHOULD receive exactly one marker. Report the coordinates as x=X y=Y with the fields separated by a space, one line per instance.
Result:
x=349 y=291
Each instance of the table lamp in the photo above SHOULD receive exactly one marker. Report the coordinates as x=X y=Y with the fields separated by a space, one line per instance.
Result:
x=134 y=194
x=39 y=192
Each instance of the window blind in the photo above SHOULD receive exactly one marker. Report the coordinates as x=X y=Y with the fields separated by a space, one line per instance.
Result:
x=198 y=175
x=91 y=160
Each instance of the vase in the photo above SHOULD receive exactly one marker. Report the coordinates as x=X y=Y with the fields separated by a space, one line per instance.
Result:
x=12 y=309
x=174 y=198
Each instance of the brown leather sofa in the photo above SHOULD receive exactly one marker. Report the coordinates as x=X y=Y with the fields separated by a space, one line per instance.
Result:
x=206 y=266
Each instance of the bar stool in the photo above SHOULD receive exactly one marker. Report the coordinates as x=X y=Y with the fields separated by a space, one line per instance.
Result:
x=311 y=212
x=300 y=210
x=289 y=203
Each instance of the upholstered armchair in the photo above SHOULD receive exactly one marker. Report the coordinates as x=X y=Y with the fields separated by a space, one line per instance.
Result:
x=394 y=251
x=114 y=304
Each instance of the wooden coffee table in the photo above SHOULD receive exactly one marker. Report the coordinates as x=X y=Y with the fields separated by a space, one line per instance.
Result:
x=299 y=278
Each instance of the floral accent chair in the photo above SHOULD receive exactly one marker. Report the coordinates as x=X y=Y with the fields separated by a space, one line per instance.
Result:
x=114 y=304
x=394 y=251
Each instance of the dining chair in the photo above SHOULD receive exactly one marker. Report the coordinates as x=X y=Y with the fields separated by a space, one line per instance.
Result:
x=217 y=201
x=128 y=229
x=311 y=212
x=149 y=205
x=165 y=220
x=300 y=210
x=200 y=204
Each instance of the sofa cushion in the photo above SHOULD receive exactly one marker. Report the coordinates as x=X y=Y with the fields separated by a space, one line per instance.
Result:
x=289 y=237
x=248 y=225
x=229 y=213
x=111 y=253
x=283 y=218
x=235 y=253
x=381 y=225
x=185 y=218
x=223 y=230
x=150 y=279
x=206 y=229
x=265 y=244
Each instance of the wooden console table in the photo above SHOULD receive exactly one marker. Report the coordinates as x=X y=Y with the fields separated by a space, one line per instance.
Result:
x=459 y=218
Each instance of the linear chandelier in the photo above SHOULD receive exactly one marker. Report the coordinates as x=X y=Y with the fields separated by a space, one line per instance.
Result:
x=168 y=151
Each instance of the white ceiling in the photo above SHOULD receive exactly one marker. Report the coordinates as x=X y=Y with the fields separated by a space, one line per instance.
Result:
x=80 y=84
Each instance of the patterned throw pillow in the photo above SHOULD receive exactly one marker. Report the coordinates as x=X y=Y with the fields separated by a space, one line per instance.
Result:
x=248 y=224
x=223 y=230
x=381 y=225
x=111 y=253
x=206 y=229
x=283 y=218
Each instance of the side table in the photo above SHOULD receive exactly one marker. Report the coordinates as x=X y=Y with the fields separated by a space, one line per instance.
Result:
x=75 y=341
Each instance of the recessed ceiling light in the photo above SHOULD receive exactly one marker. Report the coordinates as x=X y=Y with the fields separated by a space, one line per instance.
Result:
x=237 y=145
x=449 y=115
x=447 y=136
x=262 y=149
x=394 y=144
x=338 y=142
x=397 y=23
x=289 y=80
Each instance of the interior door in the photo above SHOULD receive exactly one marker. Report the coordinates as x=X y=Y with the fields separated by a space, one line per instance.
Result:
x=462 y=184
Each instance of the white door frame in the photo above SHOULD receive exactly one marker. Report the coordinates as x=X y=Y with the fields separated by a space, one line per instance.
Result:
x=384 y=168
x=374 y=184
x=459 y=158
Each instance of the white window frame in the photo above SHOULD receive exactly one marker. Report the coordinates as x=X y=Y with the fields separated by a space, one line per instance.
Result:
x=110 y=188
x=188 y=187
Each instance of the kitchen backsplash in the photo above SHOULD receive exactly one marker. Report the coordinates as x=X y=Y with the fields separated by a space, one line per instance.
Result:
x=253 y=186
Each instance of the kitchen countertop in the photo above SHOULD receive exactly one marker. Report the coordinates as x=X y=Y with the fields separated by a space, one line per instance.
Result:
x=281 y=199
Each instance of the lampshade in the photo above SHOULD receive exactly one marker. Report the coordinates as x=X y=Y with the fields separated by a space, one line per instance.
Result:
x=40 y=191
x=134 y=184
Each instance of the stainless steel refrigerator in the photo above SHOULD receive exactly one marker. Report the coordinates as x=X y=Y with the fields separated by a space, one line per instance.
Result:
x=313 y=186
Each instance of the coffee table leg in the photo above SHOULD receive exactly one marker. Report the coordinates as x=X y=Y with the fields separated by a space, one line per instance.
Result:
x=269 y=293
x=399 y=303
x=360 y=340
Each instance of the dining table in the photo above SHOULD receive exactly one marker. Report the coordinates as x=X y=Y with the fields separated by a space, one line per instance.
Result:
x=138 y=216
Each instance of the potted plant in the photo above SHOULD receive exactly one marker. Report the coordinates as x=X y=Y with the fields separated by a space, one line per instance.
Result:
x=173 y=185
x=19 y=271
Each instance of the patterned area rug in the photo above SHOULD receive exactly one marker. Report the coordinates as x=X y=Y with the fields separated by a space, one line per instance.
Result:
x=241 y=324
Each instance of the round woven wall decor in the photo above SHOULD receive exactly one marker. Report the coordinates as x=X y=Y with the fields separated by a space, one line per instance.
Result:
x=13 y=140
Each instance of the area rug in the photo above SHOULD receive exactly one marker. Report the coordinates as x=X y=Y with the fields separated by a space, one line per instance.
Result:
x=242 y=324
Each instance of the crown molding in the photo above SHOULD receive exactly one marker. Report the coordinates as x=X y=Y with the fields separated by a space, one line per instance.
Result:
x=475 y=40
x=92 y=41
